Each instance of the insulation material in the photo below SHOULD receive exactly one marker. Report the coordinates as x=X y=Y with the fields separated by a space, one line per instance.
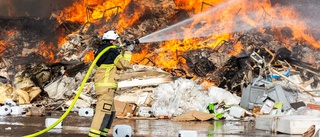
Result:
x=145 y=99
x=178 y=97
x=6 y=92
x=23 y=96
x=79 y=104
x=22 y=82
x=25 y=89
x=219 y=95
x=57 y=88
x=64 y=86
x=127 y=97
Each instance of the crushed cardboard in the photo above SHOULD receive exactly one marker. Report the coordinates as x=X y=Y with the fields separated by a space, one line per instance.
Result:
x=193 y=115
x=124 y=109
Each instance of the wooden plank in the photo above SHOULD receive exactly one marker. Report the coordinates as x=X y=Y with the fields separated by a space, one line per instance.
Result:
x=142 y=74
x=144 y=82
x=304 y=89
x=85 y=97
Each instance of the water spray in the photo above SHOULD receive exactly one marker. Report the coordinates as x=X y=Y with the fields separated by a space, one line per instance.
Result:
x=170 y=32
x=204 y=25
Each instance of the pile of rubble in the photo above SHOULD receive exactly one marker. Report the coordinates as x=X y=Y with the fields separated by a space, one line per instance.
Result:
x=267 y=77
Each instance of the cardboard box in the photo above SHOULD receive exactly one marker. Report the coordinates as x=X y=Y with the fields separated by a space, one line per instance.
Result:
x=130 y=109
x=123 y=108
x=119 y=106
x=313 y=106
x=297 y=124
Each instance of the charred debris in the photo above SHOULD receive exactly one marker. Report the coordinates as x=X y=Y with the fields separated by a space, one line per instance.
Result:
x=31 y=78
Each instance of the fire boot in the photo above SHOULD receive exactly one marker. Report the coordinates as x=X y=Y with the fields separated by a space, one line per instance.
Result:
x=102 y=132
x=113 y=113
x=103 y=114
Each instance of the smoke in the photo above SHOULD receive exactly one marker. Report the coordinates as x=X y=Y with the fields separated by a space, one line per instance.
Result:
x=173 y=32
x=309 y=13
x=37 y=8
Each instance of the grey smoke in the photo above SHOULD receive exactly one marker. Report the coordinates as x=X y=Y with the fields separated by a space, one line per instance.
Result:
x=309 y=12
x=37 y=8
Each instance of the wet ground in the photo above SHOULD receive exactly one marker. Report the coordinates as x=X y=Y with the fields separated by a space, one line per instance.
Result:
x=77 y=126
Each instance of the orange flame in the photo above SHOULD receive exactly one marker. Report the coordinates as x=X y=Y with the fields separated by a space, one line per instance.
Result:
x=237 y=16
x=225 y=19
x=89 y=56
x=4 y=43
x=92 y=10
x=46 y=49
x=2 y=47
x=10 y=7
x=61 y=40
x=10 y=33
x=206 y=84
x=237 y=48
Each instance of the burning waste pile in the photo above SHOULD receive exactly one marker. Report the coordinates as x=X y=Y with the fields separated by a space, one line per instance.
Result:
x=243 y=70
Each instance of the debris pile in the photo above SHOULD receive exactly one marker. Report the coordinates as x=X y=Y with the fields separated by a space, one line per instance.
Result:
x=263 y=77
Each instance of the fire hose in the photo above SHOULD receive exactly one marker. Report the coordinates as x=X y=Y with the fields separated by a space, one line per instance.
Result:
x=65 y=114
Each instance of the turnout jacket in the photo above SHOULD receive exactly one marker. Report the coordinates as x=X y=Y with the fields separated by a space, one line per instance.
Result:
x=109 y=63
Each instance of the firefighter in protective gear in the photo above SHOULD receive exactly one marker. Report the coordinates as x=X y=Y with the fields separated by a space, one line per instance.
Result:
x=105 y=83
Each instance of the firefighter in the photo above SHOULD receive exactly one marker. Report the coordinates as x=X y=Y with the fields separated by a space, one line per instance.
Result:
x=105 y=82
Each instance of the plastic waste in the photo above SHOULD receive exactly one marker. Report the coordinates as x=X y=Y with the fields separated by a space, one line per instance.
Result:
x=187 y=133
x=122 y=131
x=50 y=121
x=16 y=110
x=10 y=102
x=86 y=112
x=5 y=110
x=275 y=76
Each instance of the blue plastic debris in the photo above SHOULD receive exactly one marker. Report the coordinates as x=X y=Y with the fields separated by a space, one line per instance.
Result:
x=277 y=77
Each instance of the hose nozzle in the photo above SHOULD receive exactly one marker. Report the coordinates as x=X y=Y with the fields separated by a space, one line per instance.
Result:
x=132 y=42
x=136 y=41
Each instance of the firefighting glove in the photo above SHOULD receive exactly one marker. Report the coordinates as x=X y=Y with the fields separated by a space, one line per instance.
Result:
x=130 y=47
x=127 y=42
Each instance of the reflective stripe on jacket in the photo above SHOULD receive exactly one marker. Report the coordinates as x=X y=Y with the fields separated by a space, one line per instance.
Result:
x=109 y=70
x=105 y=82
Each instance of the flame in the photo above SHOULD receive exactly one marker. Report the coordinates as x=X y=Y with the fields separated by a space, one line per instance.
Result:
x=225 y=18
x=142 y=57
x=2 y=47
x=224 y=21
x=11 y=33
x=10 y=6
x=61 y=39
x=237 y=48
x=206 y=83
x=237 y=16
x=89 y=57
x=5 y=43
x=262 y=14
x=46 y=50
x=196 y=5
x=93 y=10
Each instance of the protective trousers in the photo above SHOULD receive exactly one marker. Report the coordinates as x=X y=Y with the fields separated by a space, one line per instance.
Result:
x=105 y=110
